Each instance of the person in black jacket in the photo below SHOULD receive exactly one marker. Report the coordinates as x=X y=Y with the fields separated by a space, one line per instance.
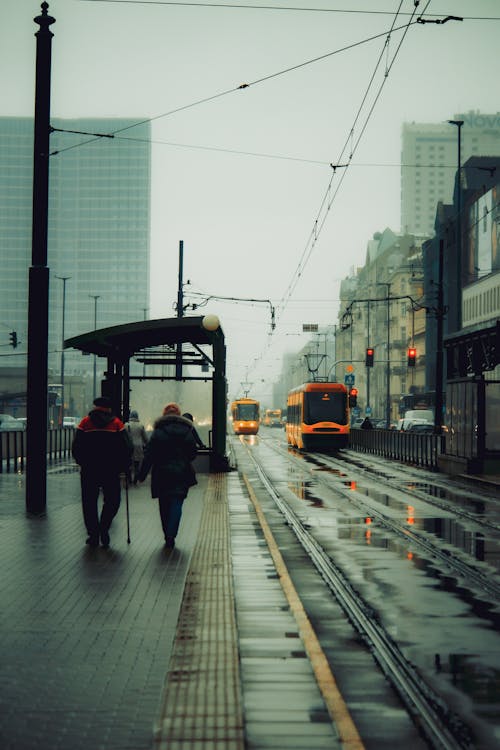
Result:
x=103 y=450
x=168 y=454
x=199 y=442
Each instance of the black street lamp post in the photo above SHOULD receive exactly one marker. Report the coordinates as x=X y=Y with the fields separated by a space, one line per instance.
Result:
x=459 y=124
x=38 y=294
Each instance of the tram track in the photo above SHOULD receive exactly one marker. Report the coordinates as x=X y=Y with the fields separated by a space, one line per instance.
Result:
x=471 y=575
x=440 y=727
x=415 y=492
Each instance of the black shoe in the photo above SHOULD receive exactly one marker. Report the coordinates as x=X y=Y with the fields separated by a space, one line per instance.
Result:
x=105 y=538
x=92 y=541
x=169 y=542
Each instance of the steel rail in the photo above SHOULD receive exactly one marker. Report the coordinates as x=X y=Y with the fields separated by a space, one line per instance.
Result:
x=436 y=502
x=459 y=567
x=442 y=728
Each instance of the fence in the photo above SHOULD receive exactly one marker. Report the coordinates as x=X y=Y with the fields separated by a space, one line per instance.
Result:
x=410 y=447
x=13 y=447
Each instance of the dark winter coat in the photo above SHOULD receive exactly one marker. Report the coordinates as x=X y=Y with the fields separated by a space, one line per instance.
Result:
x=168 y=454
x=101 y=445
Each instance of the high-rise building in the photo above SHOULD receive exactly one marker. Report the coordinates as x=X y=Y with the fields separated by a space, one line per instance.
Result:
x=429 y=162
x=99 y=229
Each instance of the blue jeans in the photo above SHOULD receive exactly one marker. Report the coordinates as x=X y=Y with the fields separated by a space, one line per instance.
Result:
x=171 y=512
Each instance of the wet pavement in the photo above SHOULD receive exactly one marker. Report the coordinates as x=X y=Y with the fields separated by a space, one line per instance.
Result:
x=86 y=634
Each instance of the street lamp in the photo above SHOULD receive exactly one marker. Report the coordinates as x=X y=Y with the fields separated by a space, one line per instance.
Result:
x=64 y=279
x=95 y=297
x=459 y=124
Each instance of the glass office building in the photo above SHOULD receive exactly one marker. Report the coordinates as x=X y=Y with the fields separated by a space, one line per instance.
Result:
x=99 y=230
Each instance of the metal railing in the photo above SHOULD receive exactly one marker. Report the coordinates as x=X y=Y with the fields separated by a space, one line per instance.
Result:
x=410 y=447
x=13 y=447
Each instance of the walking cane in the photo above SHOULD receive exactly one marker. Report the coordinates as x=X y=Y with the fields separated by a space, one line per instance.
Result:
x=126 y=505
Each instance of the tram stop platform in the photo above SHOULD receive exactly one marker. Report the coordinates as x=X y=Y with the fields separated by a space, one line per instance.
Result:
x=136 y=646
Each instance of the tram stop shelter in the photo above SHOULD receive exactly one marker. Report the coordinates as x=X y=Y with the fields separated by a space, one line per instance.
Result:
x=161 y=342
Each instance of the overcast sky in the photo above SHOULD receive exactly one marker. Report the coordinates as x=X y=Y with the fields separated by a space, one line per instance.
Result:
x=240 y=175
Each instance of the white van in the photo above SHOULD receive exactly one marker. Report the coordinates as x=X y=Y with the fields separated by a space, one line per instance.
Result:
x=416 y=416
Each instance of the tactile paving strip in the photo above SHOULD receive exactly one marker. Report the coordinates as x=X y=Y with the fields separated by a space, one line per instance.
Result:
x=201 y=706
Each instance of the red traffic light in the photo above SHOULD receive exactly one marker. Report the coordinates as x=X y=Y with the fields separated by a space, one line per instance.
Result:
x=412 y=355
x=353 y=397
x=369 y=357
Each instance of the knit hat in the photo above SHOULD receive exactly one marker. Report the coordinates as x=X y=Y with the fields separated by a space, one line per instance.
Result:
x=103 y=402
x=134 y=414
x=172 y=409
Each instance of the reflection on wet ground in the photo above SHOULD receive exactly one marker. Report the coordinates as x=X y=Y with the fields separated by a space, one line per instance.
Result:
x=426 y=605
x=303 y=492
x=479 y=681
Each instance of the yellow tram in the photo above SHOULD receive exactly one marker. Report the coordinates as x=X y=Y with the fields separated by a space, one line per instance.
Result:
x=245 y=413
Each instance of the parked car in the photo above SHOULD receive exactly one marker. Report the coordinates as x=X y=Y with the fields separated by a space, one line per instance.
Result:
x=356 y=423
x=381 y=424
x=8 y=423
x=422 y=428
x=71 y=422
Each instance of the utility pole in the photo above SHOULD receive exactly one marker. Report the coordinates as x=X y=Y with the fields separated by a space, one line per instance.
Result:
x=438 y=402
x=38 y=294
x=95 y=297
x=368 y=368
x=458 y=317
x=180 y=311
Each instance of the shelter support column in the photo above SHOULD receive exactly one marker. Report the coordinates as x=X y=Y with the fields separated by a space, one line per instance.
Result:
x=218 y=458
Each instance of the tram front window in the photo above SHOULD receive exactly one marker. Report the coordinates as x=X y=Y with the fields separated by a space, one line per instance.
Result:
x=325 y=407
x=247 y=412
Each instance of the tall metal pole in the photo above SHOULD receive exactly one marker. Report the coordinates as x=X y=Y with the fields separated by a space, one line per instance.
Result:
x=180 y=310
x=388 y=394
x=64 y=280
x=95 y=297
x=459 y=124
x=438 y=404
x=38 y=294
x=368 y=344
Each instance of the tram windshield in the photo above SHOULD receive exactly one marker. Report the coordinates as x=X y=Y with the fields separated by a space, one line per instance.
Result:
x=246 y=412
x=325 y=407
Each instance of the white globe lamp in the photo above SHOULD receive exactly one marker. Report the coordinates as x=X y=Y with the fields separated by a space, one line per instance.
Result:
x=210 y=322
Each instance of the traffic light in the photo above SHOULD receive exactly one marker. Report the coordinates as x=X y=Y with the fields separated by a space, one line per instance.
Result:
x=353 y=397
x=369 y=357
x=13 y=339
x=412 y=355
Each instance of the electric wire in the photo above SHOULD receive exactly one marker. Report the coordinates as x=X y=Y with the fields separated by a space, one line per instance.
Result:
x=244 y=6
x=327 y=200
x=226 y=92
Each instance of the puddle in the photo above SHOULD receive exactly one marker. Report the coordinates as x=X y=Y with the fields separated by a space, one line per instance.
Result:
x=303 y=492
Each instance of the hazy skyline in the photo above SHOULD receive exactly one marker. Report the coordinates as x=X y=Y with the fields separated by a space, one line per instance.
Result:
x=240 y=174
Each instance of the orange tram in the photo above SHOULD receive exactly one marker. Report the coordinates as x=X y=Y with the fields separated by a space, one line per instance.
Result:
x=318 y=416
x=246 y=416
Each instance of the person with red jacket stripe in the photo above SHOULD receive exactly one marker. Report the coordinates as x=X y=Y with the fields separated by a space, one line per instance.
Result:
x=103 y=450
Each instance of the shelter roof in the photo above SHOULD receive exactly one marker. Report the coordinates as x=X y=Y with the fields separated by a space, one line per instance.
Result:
x=124 y=340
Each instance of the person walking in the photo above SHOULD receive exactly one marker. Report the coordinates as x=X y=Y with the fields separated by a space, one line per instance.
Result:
x=366 y=424
x=199 y=442
x=168 y=454
x=139 y=439
x=103 y=451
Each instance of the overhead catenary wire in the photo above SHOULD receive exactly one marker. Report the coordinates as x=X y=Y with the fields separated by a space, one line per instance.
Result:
x=306 y=9
x=226 y=92
x=327 y=200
